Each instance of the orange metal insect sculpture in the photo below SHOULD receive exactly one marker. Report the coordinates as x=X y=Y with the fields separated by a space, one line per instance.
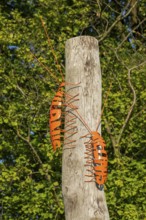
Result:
x=61 y=100
x=95 y=154
x=96 y=159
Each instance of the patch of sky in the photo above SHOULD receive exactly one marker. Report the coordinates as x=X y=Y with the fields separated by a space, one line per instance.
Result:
x=1 y=161
x=32 y=132
x=13 y=47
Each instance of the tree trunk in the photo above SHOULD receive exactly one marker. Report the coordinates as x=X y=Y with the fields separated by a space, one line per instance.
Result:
x=82 y=200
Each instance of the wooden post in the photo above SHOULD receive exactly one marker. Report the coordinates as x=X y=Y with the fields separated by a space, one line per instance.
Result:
x=82 y=200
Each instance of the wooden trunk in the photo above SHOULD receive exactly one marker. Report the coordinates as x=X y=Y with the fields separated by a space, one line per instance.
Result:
x=82 y=200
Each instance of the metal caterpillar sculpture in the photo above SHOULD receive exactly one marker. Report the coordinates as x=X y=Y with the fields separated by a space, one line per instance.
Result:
x=61 y=100
x=96 y=159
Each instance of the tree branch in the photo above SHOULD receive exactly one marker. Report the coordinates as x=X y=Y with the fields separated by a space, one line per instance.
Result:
x=133 y=102
x=22 y=92
x=31 y=147
x=34 y=152
x=120 y=17
x=130 y=33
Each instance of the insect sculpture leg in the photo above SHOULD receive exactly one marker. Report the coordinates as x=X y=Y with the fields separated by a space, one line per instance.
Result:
x=71 y=128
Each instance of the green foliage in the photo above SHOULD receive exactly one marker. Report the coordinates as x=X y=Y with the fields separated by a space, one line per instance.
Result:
x=126 y=188
x=30 y=182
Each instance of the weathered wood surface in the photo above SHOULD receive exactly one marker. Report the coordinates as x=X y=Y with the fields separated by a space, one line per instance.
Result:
x=82 y=200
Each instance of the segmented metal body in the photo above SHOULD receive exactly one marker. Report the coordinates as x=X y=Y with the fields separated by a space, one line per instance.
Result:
x=55 y=117
x=60 y=100
x=100 y=158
